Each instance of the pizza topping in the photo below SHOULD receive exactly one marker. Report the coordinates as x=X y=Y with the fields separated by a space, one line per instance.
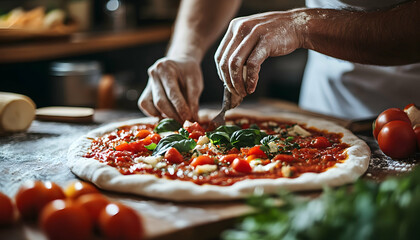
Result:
x=206 y=168
x=297 y=130
x=244 y=149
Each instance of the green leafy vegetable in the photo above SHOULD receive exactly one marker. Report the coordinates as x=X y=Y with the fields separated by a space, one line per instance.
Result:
x=267 y=139
x=184 y=132
x=221 y=135
x=167 y=125
x=246 y=138
x=181 y=143
x=151 y=146
x=389 y=210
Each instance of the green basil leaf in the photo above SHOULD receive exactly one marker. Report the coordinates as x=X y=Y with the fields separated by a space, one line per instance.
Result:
x=151 y=146
x=229 y=129
x=254 y=126
x=181 y=143
x=267 y=139
x=167 y=125
x=219 y=138
x=246 y=138
x=184 y=132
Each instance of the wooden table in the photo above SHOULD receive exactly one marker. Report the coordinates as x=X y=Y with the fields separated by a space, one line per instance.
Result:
x=40 y=153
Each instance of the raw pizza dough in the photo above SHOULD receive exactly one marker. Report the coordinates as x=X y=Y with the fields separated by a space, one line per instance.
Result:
x=110 y=178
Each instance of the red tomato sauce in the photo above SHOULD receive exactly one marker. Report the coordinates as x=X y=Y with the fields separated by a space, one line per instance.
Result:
x=315 y=153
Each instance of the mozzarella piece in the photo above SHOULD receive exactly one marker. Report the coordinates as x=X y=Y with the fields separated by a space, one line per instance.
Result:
x=273 y=147
x=264 y=168
x=298 y=131
x=151 y=160
x=203 y=140
x=206 y=168
x=285 y=170
x=16 y=112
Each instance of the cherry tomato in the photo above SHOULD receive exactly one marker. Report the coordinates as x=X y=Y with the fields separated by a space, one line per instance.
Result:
x=7 y=210
x=202 y=160
x=229 y=158
x=79 y=188
x=241 y=165
x=417 y=132
x=93 y=203
x=256 y=152
x=62 y=219
x=388 y=116
x=142 y=133
x=320 y=142
x=32 y=196
x=397 y=139
x=119 y=222
x=173 y=156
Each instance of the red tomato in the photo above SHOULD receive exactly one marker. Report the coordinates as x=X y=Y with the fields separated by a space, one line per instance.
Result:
x=155 y=138
x=196 y=134
x=417 y=132
x=7 y=210
x=387 y=116
x=32 y=196
x=256 y=152
x=397 y=139
x=142 y=134
x=241 y=165
x=320 y=142
x=284 y=157
x=228 y=158
x=61 y=219
x=119 y=222
x=202 y=160
x=79 y=188
x=191 y=127
x=93 y=203
x=173 y=156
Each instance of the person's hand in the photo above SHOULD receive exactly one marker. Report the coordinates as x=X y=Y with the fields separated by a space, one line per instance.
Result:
x=173 y=89
x=252 y=39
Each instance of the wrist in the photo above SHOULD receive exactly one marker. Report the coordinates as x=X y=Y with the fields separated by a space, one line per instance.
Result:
x=187 y=51
x=301 y=19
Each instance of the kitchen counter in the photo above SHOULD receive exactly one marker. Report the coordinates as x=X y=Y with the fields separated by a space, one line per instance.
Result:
x=40 y=153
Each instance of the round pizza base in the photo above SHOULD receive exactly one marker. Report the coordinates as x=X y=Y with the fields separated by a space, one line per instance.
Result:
x=109 y=178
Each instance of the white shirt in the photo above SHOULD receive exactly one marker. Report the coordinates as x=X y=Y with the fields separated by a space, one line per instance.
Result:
x=349 y=90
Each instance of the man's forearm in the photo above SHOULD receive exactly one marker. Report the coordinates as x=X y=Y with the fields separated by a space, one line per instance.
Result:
x=199 y=24
x=387 y=37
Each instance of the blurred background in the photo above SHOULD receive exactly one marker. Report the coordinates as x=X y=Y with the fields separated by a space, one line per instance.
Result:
x=96 y=53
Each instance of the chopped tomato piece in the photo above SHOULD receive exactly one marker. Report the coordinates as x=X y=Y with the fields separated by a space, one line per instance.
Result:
x=137 y=146
x=257 y=152
x=155 y=138
x=284 y=157
x=244 y=151
x=234 y=151
x=191 y=127
x=196 y=134
x=229 y=158
x=142 y=133
x=241 y=165
x=320 y=142
x=202 y=160
x=173 y=156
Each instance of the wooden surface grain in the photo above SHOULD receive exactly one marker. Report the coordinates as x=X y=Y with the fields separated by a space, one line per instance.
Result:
x=40 y=153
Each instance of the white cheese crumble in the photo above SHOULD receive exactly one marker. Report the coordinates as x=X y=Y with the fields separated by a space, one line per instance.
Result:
x=264 y=168
x=273 y=147
x=161 y=165
x=285 y=170
x=151 y=160
x=206 y=168
x=203 y=140
x=298 y=131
